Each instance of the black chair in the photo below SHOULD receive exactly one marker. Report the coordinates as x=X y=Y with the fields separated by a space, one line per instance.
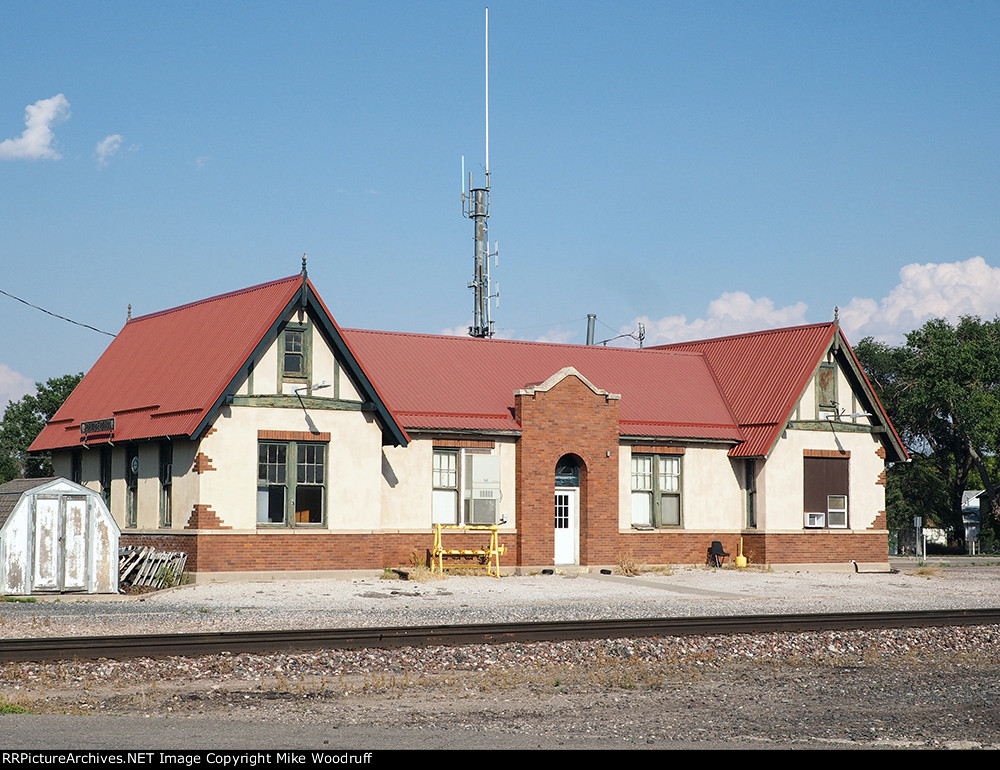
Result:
x=717 y=553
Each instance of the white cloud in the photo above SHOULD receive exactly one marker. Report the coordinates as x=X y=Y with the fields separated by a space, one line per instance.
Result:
x=731 y=313
x=13 y=385
x=36 y=141
x=934 y=290
x=107 y=148
x=945 y=290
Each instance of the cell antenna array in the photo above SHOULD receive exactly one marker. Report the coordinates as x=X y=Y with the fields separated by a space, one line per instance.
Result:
x=476 y=206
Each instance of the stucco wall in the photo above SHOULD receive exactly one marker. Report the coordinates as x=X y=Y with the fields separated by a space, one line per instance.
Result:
x=353 y=489
x=711 y=493
x=780 y=483
x=407 y=484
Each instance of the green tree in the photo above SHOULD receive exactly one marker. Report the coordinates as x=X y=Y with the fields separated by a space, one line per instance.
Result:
x=942 y=392
x=23 y=420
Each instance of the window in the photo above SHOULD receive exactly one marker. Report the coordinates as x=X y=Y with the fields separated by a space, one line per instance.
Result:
x=76 y=470
x=445 y=484
x=656 y=490
x=291 y=483
x=751 y=490
x=826 y=386
x=294 y=353
x=131 y=485
x=467 y=476
x=166 y=483
x=825 y=491
x=106 y=475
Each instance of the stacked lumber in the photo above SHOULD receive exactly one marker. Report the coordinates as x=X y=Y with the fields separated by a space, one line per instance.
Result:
x=147 y=567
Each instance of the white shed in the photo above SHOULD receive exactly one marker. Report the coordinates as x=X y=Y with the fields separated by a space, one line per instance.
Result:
x=56 y=537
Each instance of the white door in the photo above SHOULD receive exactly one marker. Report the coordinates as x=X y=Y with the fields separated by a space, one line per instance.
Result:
x=60 y=547
x=567 y=526
x=74 y=545
x=47 y=553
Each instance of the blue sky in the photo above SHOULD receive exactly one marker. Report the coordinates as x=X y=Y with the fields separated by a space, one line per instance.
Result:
x=702 y=168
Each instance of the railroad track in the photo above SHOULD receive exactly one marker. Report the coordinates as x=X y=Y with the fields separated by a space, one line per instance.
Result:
x=195 y=644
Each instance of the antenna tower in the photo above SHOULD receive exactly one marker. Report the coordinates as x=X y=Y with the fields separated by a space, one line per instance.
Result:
x=476 y=206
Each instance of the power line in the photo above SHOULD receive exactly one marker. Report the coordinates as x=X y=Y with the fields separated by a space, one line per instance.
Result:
x=56 y=315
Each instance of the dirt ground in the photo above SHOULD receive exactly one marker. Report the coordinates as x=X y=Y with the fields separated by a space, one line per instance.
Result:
x=943 y=700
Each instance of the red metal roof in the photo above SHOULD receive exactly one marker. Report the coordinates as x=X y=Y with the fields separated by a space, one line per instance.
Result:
x=163 y=372
x=762 y=375
x=461 y=383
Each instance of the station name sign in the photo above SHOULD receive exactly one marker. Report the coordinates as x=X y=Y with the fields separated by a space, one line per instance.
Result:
x=106 y=425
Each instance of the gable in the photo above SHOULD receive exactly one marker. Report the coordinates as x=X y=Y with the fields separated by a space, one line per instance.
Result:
x=767 y=375
x=168 y=373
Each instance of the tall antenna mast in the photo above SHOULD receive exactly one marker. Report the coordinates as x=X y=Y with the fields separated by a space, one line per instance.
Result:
x=476 y=206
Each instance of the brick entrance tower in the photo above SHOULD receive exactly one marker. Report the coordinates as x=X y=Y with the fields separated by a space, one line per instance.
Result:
x=567 y=415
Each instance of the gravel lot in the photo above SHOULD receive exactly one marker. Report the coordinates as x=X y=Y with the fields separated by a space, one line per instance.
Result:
x=887 y=689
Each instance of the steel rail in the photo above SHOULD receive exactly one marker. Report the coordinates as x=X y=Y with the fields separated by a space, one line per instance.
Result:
x=41 y=649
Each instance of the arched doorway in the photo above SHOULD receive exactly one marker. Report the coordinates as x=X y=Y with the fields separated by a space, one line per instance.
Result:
x=567 y=511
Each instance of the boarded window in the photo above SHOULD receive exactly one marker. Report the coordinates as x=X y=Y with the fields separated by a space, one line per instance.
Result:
x=825 y=491
x=826 y=386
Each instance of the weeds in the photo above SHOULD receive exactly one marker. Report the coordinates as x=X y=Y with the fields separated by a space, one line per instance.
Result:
x=6 y=707
x=629 y=566
x=20 y=599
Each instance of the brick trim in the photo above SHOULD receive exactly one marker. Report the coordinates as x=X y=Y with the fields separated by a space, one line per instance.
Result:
x=446 y=443
x=203 y=517
x=658 y=450
x=291 y=435
x=826 y=453
x=880 y=452
x=202 y=463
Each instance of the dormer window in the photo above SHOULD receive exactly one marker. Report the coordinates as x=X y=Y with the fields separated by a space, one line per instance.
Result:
x=294 y=365
x=294 y=356
x=826 y=386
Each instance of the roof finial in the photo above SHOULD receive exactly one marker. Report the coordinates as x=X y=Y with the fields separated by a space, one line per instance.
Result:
x=303 y=265
x=836 y=316
x=129 y=316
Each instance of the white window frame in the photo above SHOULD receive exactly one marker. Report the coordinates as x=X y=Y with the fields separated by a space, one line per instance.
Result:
x=443 y=493
x=840 y=512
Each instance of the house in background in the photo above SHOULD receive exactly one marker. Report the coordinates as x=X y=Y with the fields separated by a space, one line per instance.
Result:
x=252 y=432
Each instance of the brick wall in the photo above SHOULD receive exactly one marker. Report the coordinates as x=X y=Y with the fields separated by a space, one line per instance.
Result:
x=567 y=418
x=816 y=547
x=278 y=551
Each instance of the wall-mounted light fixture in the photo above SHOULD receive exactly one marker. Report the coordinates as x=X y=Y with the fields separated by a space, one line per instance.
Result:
x=317 y=386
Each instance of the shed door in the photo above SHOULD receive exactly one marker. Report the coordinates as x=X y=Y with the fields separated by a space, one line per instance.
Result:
x=47 y=553
x=60 y=552
x=74 y=545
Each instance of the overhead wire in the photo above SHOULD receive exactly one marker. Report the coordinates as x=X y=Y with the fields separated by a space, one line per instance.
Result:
x=56 y=315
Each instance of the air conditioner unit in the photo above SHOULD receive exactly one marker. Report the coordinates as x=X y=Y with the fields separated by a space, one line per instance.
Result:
x=482 y=489
x=483 y=509
x=815 y=519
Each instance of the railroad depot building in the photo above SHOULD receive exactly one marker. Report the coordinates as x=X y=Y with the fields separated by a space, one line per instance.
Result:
x=252 y=432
